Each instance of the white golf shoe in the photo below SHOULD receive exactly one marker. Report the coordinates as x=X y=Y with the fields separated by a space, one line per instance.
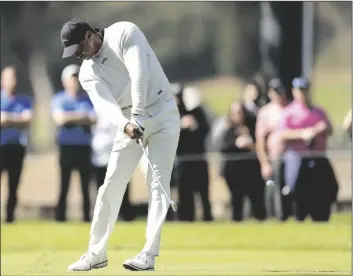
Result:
x=89 y=261
x=142 y=261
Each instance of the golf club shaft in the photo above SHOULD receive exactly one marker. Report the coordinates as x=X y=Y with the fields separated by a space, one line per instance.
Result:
x=151 y=166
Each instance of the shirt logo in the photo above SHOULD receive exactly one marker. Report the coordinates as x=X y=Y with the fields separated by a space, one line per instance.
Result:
x=104 y=60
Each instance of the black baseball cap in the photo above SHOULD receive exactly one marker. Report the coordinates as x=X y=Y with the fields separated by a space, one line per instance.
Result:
x=72 y=33
x=301 y=83
x=277 y=86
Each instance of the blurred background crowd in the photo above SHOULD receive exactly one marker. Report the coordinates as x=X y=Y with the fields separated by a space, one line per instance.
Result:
x=263 y=90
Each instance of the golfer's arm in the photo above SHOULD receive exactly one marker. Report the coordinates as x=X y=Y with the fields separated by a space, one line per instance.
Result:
x=135 y=55
x=105 y=103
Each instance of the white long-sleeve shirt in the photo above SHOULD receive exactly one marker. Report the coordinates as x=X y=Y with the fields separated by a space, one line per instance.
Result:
x=125 y=76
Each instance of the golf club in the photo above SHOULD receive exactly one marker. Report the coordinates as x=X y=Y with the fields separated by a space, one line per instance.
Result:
x=172 y=203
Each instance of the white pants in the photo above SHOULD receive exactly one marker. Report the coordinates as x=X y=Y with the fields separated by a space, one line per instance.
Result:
x=161 y=137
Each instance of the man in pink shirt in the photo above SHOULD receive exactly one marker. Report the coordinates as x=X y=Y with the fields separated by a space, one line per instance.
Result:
x=304 y=129
x=268 y=145
x=304 y=126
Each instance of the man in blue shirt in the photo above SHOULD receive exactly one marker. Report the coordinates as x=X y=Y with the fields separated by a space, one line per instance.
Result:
x=16 y=115
x=74 y=115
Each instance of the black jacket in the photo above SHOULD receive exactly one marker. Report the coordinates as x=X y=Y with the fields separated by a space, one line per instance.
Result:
x=247 y=162
x=228 y=142
x=193 y=142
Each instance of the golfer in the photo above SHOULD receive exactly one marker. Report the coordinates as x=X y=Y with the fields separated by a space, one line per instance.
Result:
x=124 y=79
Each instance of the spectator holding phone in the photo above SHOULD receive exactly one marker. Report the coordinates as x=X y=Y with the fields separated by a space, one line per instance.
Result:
x=241 y=168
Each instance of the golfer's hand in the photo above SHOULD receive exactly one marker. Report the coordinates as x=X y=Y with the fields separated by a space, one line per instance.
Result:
x=133 y=131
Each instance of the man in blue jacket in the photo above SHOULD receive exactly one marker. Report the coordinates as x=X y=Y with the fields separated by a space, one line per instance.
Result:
x=74 y=115
x=16 y=115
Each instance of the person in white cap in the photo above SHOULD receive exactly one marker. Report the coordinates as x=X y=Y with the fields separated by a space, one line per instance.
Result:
x=124 y=79
x=74 y=115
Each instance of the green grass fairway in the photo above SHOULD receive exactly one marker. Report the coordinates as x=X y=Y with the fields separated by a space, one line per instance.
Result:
x=220 y=248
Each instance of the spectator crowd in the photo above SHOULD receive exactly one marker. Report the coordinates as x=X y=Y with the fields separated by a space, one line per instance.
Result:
x=272 y=144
